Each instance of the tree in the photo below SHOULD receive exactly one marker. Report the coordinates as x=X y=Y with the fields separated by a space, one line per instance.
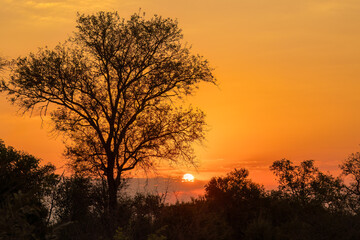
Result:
x=234 y=187
x=24 y=184
x=112 y=90
x=306 y=184
x=237 y=198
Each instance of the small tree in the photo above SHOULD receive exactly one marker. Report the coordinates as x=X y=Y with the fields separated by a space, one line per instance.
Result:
x=112 y=87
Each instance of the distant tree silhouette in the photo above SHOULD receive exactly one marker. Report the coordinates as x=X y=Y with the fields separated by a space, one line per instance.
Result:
x=306 y=184
x=111 y=91
x=236 y=197
x=234 y=187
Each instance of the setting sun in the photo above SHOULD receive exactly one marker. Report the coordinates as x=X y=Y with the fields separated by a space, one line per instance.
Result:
x=188 y=178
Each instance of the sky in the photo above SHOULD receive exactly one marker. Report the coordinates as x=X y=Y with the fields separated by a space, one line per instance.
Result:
x=288 y=78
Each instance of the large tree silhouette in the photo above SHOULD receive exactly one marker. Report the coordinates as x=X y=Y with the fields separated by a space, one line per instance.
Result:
x=111 y=90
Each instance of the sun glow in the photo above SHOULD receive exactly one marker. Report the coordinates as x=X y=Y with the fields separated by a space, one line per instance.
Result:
x=188 y=178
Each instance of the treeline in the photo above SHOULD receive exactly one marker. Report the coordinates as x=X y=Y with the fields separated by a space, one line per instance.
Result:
x=35 y=203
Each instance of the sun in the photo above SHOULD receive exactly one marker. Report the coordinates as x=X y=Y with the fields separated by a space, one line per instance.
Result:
x=188 y=178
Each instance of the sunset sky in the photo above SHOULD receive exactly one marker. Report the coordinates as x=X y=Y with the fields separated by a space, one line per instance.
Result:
x=288 y=74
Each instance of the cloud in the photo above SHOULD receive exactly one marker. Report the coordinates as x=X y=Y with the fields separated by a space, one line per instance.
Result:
x=48 y=12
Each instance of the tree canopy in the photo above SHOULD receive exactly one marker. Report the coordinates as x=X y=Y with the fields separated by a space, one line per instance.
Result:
x=306 y=184
x=236 y=185
x=111 y=90
x=24 y=184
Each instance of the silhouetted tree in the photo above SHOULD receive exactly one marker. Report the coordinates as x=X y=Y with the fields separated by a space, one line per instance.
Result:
x=235 y=186
x=306 y=184
x=236 y=197
x=23 y=186
x=112 y=89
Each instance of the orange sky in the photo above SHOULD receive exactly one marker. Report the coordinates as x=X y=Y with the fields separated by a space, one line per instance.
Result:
x=288 y=76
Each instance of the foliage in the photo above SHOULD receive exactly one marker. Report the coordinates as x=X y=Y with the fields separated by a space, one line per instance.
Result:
x=306 y=184
x=234 y=187
x=24 y=184
x=237 y=197
x=194 y=220
x=22 y=172
x=80 y=209
x=308 y=205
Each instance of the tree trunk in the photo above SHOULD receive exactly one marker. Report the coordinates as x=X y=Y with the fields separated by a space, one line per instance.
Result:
x=113 y=188
x=112 y=213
